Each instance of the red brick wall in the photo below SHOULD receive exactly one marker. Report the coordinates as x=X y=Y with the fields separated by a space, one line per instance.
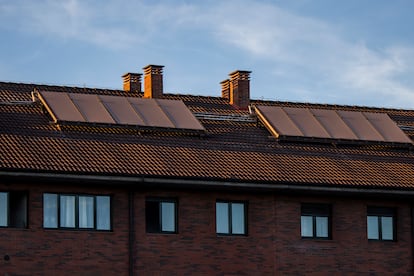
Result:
x=349 y=251
x=273 y=245
x=196 y=249
x=37 y=251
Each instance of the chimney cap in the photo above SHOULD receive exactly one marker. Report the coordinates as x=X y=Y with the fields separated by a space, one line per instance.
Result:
x=152 y=69
x=240 y=73
x=152 y=66
x=131 y=74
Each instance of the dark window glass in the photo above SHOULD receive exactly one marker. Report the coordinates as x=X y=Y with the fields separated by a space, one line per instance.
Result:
x=13 y=209
x=161 y=215
x=231 y=218
x=76 y=211
x=381 y=223
x=315 y=221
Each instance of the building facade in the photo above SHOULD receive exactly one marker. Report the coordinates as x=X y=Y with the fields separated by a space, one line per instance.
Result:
x=231 y=193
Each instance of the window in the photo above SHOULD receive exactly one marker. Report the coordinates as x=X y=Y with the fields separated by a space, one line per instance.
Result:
x=161 y=215
x=381 y=223
x=315 y=221
x=76 y=211
x=231 y=218
x=13 y=209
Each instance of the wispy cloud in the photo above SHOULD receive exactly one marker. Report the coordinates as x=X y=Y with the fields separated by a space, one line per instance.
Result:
x=310 y=59
x=349 y=69
x=69 y=19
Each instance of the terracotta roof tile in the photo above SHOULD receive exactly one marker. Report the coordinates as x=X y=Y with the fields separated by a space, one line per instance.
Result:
x=231 y=150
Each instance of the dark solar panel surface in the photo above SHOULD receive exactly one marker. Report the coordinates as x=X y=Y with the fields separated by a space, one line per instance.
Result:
x=331 y=124
x=115 y=110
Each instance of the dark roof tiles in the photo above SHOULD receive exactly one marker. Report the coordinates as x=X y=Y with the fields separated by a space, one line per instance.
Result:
x=230 y=150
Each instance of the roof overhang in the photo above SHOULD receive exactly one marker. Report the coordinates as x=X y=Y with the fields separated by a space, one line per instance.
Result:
x=136 y=182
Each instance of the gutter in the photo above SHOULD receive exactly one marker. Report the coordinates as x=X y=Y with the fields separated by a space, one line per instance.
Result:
x=155 y=182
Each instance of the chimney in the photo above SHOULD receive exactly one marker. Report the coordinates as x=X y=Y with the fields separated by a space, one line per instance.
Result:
x=240 y=89
x=225 y=89
x=153 y=87
x=132 y=82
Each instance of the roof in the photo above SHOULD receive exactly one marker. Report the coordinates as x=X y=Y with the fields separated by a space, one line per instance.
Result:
x=237 y=147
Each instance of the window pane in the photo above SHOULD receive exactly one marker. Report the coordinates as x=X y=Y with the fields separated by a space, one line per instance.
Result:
x=67 y=211
x=222 y=218
x=3 y=208
x=237 y=216
x=152 y=216
x=322 y=227
x=86 y=212
x=372 y=227
x=50 y=210
x=306 y=226
x=103 y=213
x=168 y=216
x=387 y=228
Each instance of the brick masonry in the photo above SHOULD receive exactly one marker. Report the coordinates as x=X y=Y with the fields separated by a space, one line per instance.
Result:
x=273 y=245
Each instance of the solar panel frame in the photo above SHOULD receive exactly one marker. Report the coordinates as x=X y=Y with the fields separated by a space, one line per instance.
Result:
x=340 y=126
x=145 y=114
x=61 y=107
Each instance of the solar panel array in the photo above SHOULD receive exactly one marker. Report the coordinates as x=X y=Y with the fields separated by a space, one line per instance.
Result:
x=73 y=108
x=343 y=126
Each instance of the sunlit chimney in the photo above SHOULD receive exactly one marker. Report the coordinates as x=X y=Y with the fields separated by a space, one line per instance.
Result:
x=240 y=89
x=153 y=83
x=225 y=89
x=132 y=82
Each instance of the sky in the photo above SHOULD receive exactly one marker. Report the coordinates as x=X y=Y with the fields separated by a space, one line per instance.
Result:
x=353 y=52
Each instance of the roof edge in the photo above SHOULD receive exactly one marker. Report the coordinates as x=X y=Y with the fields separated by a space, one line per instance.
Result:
x=155 y=182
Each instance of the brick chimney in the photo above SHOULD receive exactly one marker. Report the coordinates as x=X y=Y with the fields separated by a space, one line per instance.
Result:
x=153 y=84
x=225 y=89
x=132 y=82
x=240 y=89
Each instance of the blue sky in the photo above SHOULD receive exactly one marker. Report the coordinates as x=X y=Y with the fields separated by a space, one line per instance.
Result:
x=353 y=52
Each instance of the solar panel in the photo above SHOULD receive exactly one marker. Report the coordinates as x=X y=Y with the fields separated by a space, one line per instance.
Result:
x=179 y=114
x=122 y=111
x=386 y=127
x=61 y=108
x=306 y=122
x=92 y=108
x=359 y=125
x=333 y=125
x=151 y=113
x=74 y=108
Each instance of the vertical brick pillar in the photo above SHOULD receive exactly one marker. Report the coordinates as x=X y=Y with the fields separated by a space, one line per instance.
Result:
x=132 y=82
x=240 y=89
x=153 y=84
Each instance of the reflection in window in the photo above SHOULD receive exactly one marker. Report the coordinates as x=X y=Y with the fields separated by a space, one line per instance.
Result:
x=13 y=209
x=160 y=215
x=76 y=211
x=231 y=218
x=315 y=221
x=381 y=223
